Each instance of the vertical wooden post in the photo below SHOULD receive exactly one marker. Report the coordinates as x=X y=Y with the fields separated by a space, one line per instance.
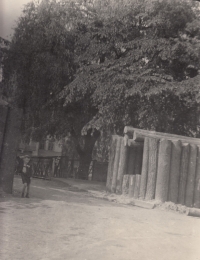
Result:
x=183 y=173
x=197 y=182
x=125 y=184
x=122 y=166
x=137 y=186
x=111 y=162
x=152 y=168
x=175 y=171
x=164 y=162
x=144 y=174
x=116 y=164
x=132 y=179
x=138 y=169
x=191 y=176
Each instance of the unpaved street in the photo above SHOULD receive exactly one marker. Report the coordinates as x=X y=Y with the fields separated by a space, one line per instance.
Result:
x=62 y=222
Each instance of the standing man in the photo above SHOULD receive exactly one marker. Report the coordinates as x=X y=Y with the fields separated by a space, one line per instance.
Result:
x=25 y=170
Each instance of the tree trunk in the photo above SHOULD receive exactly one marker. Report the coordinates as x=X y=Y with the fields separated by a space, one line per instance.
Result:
x=3 y=119
x=9 y=149
x=152 y=168
x=85 y=153
x=84 y=164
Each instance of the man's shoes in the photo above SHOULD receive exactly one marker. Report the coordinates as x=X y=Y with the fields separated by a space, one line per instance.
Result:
x=27 y=196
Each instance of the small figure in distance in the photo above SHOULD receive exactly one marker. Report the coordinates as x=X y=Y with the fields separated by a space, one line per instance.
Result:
x=26 y=174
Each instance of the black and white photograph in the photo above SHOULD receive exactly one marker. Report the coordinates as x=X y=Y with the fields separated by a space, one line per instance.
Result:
x=100 y=129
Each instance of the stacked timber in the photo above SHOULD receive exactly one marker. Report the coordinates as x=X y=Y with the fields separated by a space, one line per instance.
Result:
x=150 y=165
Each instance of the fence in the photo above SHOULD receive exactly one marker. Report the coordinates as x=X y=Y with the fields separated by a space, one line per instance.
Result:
x=63 y=167
x=150 y=165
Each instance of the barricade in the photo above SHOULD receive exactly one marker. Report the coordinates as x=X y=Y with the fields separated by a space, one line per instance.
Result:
x=155 y=166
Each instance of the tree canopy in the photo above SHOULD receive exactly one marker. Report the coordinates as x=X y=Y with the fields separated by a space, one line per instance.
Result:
x=130 y=64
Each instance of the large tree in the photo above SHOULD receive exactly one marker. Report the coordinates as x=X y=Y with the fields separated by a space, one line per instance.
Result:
x=121 y=62
x=136 y=68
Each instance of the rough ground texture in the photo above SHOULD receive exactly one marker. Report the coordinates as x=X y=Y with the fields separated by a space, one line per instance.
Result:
x=60 y=221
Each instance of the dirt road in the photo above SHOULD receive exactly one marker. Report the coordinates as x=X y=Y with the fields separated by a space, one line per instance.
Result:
x=62 y=222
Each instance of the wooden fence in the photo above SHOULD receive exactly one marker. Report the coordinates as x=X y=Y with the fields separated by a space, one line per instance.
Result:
x=155 y=166
x=63 y=167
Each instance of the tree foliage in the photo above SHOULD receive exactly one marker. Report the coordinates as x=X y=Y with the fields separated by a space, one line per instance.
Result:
x=130 y=64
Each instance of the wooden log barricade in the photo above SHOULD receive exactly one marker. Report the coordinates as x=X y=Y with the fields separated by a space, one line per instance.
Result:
x=162 y=182
x=149 y=165
x=139 y=135
x=191 y=176
x=111 y=162
x=137 y=186
x=183 y=173
x=152 y=168
x=125 y=184
x=175 y=171
x=144 y=173
x=116 y=165
x=122 y=166
x=132 y=180
x=138 y=170
x=197 y=181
